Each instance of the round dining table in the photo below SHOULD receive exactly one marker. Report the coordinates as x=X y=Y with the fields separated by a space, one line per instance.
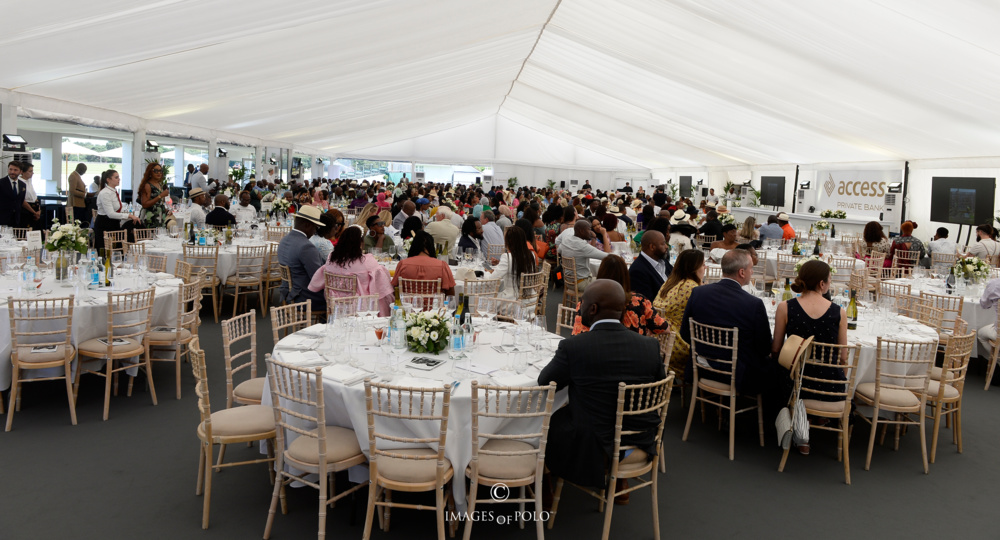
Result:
x=344 y=391
x=90 y=314
x=972 y=312
x=174 y=250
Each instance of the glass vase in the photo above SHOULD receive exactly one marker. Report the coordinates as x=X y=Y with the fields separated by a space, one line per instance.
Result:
x=62 y=264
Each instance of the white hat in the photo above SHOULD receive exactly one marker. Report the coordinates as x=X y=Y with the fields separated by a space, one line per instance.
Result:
x=782 y=216
x=310 y=213
x=678 y=217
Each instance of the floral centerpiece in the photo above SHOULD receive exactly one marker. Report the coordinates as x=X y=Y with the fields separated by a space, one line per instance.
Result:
x=228 y=192
x=727 y=219
x=823 y=225
x=64 y=238
x=406 y=245
x=972 y=268
x=427 y=332
x=280 y=205
x=836 y=214
x=803 y=260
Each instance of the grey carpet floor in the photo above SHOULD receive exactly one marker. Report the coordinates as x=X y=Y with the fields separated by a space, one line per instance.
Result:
x=134 y=477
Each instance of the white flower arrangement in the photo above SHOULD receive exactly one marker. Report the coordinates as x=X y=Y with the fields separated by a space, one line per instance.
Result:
x=823 y=225
x=68 y=236
x=406 y=245
x=427 y=332
x=803 y=260
x=281 y=205
x=836 y=214
x=971 y=268
x=727 y=219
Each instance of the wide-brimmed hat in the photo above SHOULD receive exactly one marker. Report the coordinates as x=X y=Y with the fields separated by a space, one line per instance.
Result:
x=636 y=203
x=310 y=213
x=794 y=348
x=782 y=216
x=195 y=192
x=721 y=209
x=678 y=217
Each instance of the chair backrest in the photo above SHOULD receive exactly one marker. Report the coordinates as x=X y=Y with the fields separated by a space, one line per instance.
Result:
x=508 y=309
x=950 y=305
x=720 y=344
x=183 y=270
x=844 y=268
x=234 y=332
x=418 y=405
x=905 y=259
x=786 y=265
x=419 y=286
x=712 y=274
x=873 y=263
x=274 y=236
x=143 y=234
x=816 y=370
x=279 y=229
x=945 y=260
x=20 y=233
x=273 y=265
x=760 y=269
x=903 y=365
x=565 y=319
x=188 y=307
x=157 y=263
x=206 y=257
x=339 y=285
x=532 y=285
x=251 y=262
x=635 y=400
x=702 y=241
x=494 y=251
x=40 y=323
x=521 y=405
x=297 y=402
x=201 y=385
x=886 y=288
x=859 y=282
x=286 y=276
x=135 y=249
x=909 y=305
x=115 y=240
x=346 y=306
x=956 y=361
x=129 y=315
x=427 y=301
x=291 y=318
x=666 y=340
x=481 y=287
x=894 y=273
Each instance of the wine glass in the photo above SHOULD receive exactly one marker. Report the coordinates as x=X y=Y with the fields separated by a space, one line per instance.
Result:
x=367 y=307
x=392 y=251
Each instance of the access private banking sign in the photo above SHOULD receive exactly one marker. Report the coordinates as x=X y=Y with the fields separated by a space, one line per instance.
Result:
x=858 y=193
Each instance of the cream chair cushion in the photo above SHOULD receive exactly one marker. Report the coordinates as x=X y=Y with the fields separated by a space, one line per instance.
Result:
x=410 y=470
x=341 y=444
x=709 y=384
x=636 y=460
x=824 y=406
x=950 y=392
x=252 y=389
x=246 y=420
x=892 y=397
x=95 y=347
x=507 y=467
x=170 y=337
x=25 y=355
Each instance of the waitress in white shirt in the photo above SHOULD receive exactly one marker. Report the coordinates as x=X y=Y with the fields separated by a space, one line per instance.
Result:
x=110 y=215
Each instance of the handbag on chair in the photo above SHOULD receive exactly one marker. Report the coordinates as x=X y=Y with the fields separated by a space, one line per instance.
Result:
x=786 y=423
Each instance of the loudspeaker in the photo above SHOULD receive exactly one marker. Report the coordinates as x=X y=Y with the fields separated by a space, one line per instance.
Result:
x=562 y=184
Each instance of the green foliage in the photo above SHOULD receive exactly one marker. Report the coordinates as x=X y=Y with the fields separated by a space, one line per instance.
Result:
x=755 y=197
x=729 y=185
x=512 y=182
x=672 y=190
x=550 y=183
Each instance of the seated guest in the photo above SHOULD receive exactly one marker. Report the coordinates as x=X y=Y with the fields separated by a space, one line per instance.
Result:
x=348 y=259
x=812 y=315
x=610 y=223
x=220 y=215
x=875 y=239
x=729 y=241
x=245 y=212
x=581 y=435
x=338 y=225
x=988 y=333
x=649 y=271
x=727 y=305
x=672 y=299
x=787 y=232
x=410 y=226
x=712 y=226
x=472 y=233
x=941 y=245
x=639 y=314
x=198 y=214
x=748 y=233
x=445 y=232
x=771 y=230
x=578 y=246
x=907 y=242
x=492 y=233
x=375 y=238
x=302 y=259
x=407 y=209
x=322 y=237
x=516 y=260
x=422 y=263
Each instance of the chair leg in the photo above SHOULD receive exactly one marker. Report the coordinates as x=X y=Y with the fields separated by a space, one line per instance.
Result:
x=201 y=469
x=784 y=459
x=15 y=385
x=323 y=486
x=107 y=387
x=871 y=440
x=923 y=443
x=222 y=456
x=471 y=496
x=732 y=427
x=539 y=526
x=276 y=493
x=208 y=486
x=439 y=511
x=177 y=368
x=370 y=512
x=958 y=425
x=846 y=438
x=69 y=394
x=663 y=460
x=609 y=506
x=993 y=366
x=760 y=418
x=149 y=375
x=936 y=428
x=520 y=509
x=555 y=502
x=694 y=403
x=656 y=508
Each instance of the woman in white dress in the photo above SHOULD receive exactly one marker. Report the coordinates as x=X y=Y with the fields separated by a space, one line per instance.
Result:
x=516 y=260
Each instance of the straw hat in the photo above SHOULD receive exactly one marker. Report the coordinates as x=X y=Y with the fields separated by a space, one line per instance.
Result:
x=309 y=213
x=721 y=209
x=678 y=217
x=792 y=351
x=782 y=216
x=195 y=192
x=636 y=203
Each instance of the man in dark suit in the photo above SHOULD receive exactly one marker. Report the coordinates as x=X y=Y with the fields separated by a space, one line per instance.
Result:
x=581 y=435
x=12 y=191
x=649 y=270
x=220 y=214
x=726 y=304
x=302 y=258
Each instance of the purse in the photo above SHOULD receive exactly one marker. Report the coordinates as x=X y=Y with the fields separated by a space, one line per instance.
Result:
x=792 y=423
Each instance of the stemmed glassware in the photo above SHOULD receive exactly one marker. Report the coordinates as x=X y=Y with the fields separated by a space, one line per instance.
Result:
x=367 y=307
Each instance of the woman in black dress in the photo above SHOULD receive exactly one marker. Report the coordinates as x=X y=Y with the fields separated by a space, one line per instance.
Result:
x=811 y=314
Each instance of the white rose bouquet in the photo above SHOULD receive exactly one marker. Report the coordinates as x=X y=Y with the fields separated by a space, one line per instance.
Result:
x=727 y=219
x=803 y=260
x=971 y=268
x=427 y=332
x=280 y=205
x=69 y=237
x=823 y=225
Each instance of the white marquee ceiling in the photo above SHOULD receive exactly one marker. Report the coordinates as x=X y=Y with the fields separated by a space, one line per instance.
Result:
x=623 y=84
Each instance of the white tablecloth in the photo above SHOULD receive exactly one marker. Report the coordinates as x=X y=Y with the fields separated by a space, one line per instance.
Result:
x=771 y=256
x=89 y=318
x=174 y=251
x=972 y=313
x=345 y=404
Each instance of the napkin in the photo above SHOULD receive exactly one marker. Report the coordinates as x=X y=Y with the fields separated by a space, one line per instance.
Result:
x=298 y=342
x=344 y=374
x=316 y=330
x=165 y=275
x=513 y=379
x=307 y=359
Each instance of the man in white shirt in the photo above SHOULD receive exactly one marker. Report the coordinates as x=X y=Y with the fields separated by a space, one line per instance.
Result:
x=244 y=212
x=199 y=179
x=578 y=246
x=442 y=229
x=492 y=233
x=200 y=199
x=940 y=244
x=712 y=197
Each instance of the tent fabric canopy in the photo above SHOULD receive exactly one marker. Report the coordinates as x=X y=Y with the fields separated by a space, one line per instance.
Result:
x=622 y=85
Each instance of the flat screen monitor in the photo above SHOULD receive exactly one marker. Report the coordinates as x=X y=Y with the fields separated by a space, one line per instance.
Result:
x=963 y=201
x=685 y=186
x=772 y=191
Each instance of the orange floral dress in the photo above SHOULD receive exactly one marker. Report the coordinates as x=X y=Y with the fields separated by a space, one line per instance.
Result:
x=639 y=316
